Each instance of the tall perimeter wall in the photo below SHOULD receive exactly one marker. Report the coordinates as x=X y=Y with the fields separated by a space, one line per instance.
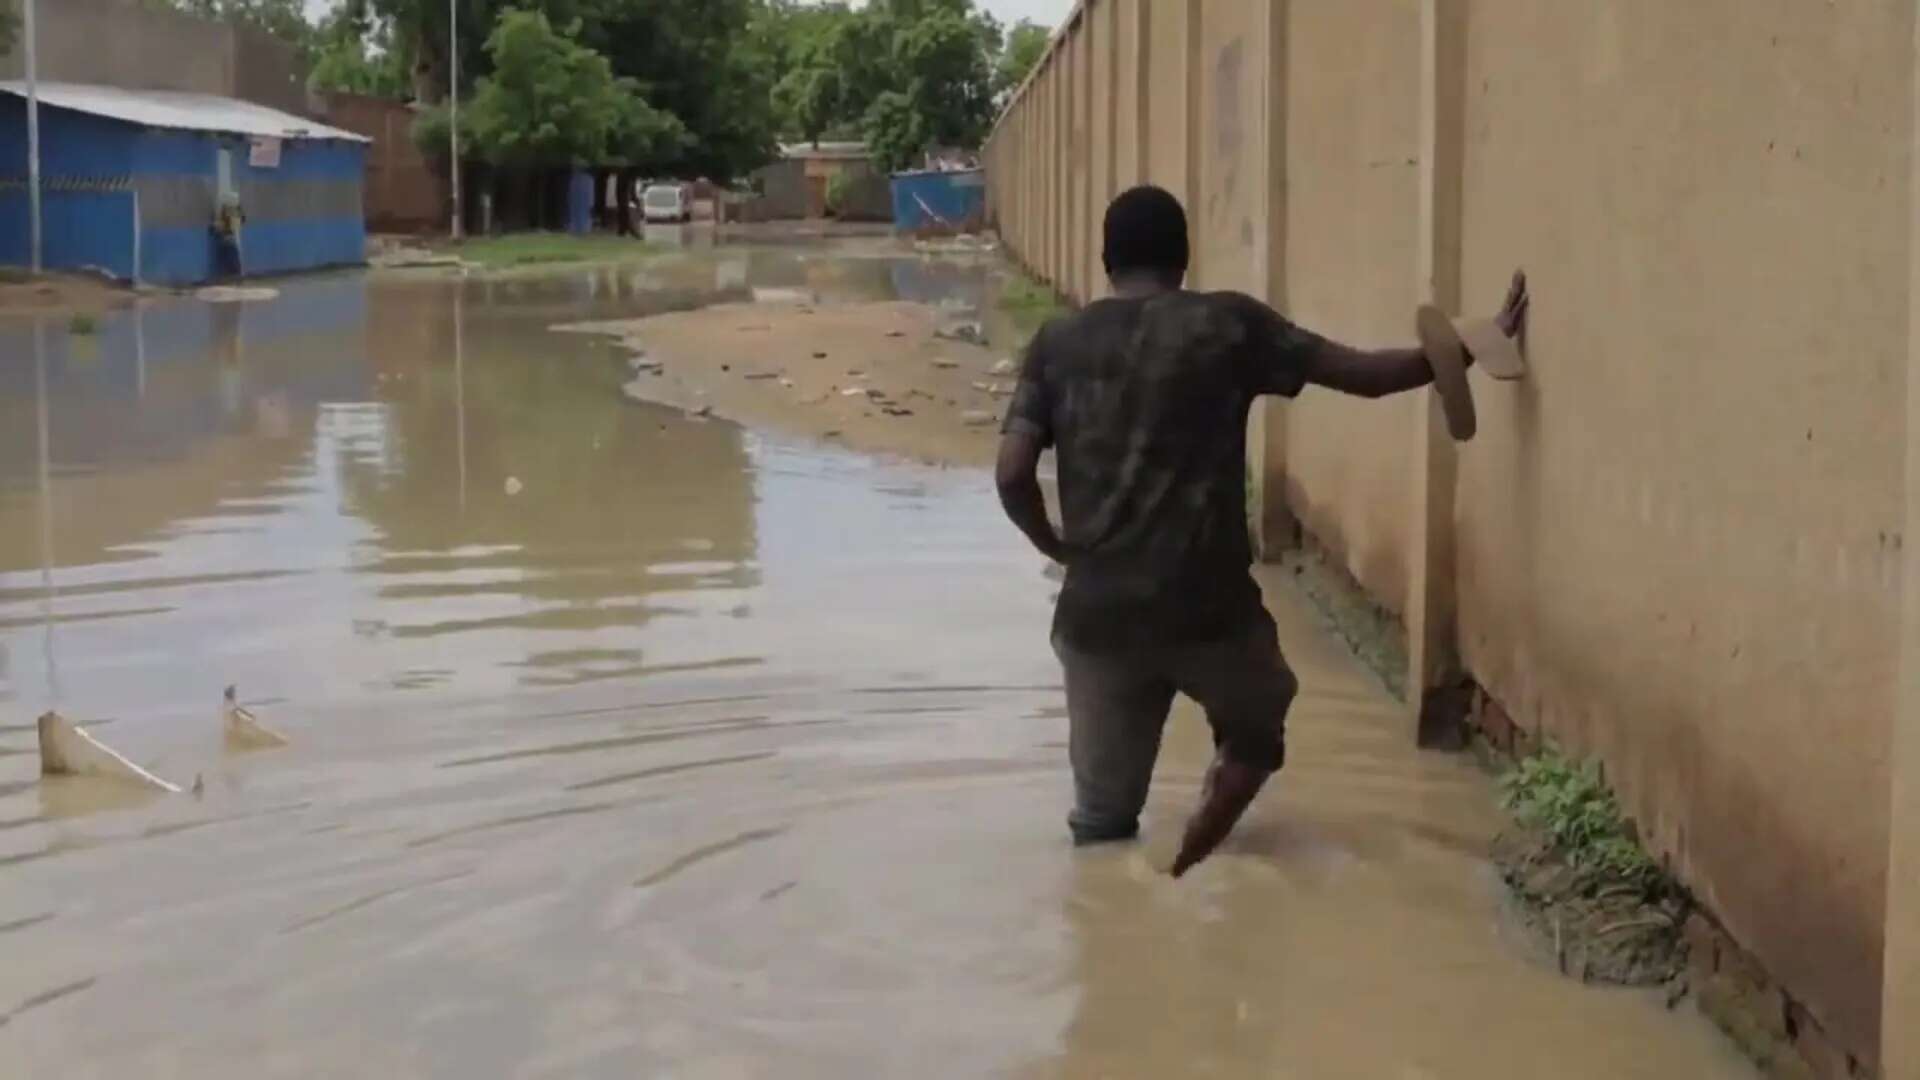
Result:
x=1679 y=545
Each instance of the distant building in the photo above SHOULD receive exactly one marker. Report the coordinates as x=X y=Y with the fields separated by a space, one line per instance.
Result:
x=134 y=183
x=137 y=46
x=405 y=193
x=797 y=185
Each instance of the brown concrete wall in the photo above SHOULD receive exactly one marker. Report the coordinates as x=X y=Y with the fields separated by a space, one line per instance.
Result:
x=1167 y=106
x=1677 y=545
x=402 y=193
x=1127 y=98
x=125 y=43
x=1078 y=165
x=1677 y=541
x=1352 y=100
x=1100 y=38
x=1232 y=162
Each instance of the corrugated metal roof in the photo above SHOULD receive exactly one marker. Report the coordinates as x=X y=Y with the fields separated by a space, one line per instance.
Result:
x=840 y=151
x=181 y=111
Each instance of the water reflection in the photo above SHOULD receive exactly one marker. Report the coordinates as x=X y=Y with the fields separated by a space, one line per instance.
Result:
x=231 y=475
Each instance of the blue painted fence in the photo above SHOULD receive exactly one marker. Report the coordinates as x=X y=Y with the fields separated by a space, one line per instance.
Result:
x=940 y=202
x=304 y=214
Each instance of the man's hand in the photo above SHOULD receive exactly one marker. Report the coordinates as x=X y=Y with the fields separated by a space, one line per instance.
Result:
x=1016 y=475
x=1512 y=319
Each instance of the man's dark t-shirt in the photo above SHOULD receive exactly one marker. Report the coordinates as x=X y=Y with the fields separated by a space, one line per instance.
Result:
x=1145 y=401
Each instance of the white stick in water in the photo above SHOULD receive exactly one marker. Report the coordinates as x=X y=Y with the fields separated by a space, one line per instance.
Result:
x=65 y=750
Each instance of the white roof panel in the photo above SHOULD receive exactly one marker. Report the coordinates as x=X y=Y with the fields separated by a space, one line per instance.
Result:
x=181 y=111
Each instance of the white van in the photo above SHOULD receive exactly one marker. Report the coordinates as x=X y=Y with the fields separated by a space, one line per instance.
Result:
x=666 y=202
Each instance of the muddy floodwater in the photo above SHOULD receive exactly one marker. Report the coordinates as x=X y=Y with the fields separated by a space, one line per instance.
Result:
x=626 y=743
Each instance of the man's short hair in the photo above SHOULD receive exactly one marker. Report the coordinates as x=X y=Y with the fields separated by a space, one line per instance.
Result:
x=1146 y=230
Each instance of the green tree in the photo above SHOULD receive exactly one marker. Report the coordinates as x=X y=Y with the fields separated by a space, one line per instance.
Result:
x=702 y=61
x=939 y=75
x=818 y=54
x=905 y=74
x=552 y=101
x=1026 y=44
x=360 y=53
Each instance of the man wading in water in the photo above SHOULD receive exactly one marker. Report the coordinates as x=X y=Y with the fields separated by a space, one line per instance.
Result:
x=1145 y=397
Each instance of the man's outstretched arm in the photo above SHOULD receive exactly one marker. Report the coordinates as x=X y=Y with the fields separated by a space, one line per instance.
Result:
x=1017 y=474
x=1377 y=373
x=1368 y=373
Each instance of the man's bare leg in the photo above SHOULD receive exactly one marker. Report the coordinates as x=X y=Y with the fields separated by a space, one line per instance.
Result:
x=1229 y=789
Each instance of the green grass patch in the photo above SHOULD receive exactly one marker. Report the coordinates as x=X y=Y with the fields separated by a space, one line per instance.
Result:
x=83 y=324
x=1029 y=303
x=1568 y=802
x=13 y=275
x=545 y=249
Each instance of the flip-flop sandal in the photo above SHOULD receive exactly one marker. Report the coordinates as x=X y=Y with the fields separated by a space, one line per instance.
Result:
x=1446 y=353
x=1492 y=350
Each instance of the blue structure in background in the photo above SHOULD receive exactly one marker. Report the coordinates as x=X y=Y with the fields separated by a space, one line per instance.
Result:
x=580 y=203
x=940 y=202
x=131 y=181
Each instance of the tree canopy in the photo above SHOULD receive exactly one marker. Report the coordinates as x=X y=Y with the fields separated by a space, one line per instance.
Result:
x=551 y=101
x=1026 y=44
x=720 y=82
x=360 y=54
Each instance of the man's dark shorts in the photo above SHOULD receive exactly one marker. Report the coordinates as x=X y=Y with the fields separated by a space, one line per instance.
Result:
x=1117 y=705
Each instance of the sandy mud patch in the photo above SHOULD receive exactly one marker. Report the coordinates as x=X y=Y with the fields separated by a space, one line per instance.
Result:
x=893 y=377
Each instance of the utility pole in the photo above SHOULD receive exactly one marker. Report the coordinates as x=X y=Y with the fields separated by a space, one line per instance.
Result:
x=33 y=134
x=453 y=109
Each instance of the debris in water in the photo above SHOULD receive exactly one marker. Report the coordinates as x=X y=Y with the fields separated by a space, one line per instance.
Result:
x=896 y=410
x=830 y=433
x=945 y=364
x=244 y=730
x=999 y=389
x=65 y=750
x=514 y=486
x=788 y=383
x=970 y=332
x=726 y=367
x=235 y=294
x=763 y=295
x=1006 y=366
x=702 y=412
x=755 y=375
x=819 y=355
x=985 y=388
x=854 y=391
x=978 y=418
x=896 y=333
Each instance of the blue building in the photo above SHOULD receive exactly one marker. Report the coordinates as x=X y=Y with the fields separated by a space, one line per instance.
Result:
x=131 y=181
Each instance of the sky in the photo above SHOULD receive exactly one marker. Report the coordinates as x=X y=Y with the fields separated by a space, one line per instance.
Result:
x=1047 y=13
